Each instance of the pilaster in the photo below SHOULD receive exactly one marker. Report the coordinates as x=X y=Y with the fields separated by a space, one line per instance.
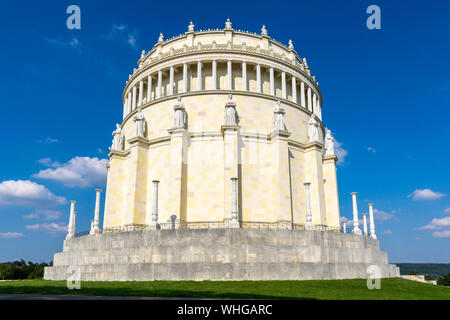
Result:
x=280 y=176
x=314 y=174
x=331 y=191
x=179 y=141
x=231 y=164
x=136 y=186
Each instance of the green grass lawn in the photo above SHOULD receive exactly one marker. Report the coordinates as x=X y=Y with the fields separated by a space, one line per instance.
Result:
x=311 y=289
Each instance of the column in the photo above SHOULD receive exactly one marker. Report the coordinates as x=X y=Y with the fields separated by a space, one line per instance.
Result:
x=159 y=88
x=309 y=100
x=141 y=92
x=185 y=69
x=344 y=227
x=314 y=106
x=244 y=76
x=71 y=229
x=331 y=191
x=129 y=102
x=229 y=75
x=302 y=94
x=309 y=225
x=95 y=227
x=234 y=223
x=364 y=224
x=125 y=108
x=258 y=78
x=133 y=106
x=272 y=82
x=154 y=222
x=171 y=80
x=214 y=75
x=283 y=84
x=149 y=88
x=371 y=222
x=199 y=75
x=294 y=89
x=356 y=229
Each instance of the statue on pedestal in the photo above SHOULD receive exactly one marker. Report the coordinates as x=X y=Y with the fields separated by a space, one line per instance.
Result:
x=228 y=24
x=191 y=27
x=231 y=117
x=263 y=31
x=141 y=126
x=161 y=38
x=313 y=129
x=278 y=117
x=329 y=144
x=117 y=142
x=180 y=116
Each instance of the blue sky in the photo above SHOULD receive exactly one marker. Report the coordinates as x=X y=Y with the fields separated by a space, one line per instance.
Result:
x=386 y=98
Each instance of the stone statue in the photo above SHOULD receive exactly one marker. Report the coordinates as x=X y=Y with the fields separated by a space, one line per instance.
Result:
x=117 y=142
x=264 y=30
x=304 y=62
x=180 y=117
x=142 y=54
x=291 y=45
x=278 y=117
x=231 y=117
x=191 y=27
x=329 y=144
x=228 y=24
x=161 y=38
x=139 y=120
x=313 y=129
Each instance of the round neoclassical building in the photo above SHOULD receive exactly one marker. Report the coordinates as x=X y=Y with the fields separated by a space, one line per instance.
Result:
x=209 y=109
x=221 y=169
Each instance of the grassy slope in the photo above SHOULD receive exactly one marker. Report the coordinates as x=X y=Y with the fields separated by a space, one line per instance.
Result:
x=315 y=289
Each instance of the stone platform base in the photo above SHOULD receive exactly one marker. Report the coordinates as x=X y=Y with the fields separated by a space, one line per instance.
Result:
x=220 y=254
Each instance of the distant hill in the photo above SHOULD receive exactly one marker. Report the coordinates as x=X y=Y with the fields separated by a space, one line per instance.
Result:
x=434 y=269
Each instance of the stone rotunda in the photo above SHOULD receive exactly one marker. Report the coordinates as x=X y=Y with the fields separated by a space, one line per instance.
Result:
x=221 y=169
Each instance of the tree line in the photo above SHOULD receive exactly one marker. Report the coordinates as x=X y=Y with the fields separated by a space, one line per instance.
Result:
x=22 y=270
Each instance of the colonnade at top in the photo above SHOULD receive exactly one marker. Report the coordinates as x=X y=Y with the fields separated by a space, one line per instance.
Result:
x=218 y=74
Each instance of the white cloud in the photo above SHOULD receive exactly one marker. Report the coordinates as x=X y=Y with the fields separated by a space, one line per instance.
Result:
x=437 y=224
x=77 y=172
x=73 y=43
x=48 y=227
x=387 y=232
x=44 y=214
x=132 y=40
x=447 y=210
x=11 y=235
x=441 y=234
x=120 y=31
x=48 y=140
x=425 y=194
x=370 y=149
x=48 y=162
x=383 y=215
x=340 y=152
x=26 y=192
